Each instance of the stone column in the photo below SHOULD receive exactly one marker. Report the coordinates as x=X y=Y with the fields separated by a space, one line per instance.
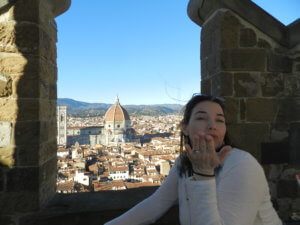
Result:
x=28 y=75
x=252 y=60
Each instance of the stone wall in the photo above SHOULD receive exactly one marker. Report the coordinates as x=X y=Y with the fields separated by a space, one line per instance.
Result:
x=258 y=74
x=28 y=77
x=246 y=56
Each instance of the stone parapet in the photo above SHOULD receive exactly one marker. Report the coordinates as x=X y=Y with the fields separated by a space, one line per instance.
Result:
x=28 y=73
x=200 y=12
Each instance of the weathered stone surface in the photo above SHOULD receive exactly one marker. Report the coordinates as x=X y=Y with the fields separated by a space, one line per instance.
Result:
x=52 y=92
x=242 y=109
x=29 y=68
x=275 y=171
x=47 y=109
x=47 y=151
x=249 y=136
x=263 y=44
x=280 y=50
x=279 y=132
x=297 y=68
x=25 y=109
x=231 y=110
x=294 y=141
x=229 y=30
x=247 y=85
x=48 y=130
x=27 y=155
x=289 y=109
x=222 y=84
x=5 y=86
x=27 y=133
x=284 y=208
x=243 y=59
x=275 y=152
x=210 y=66
x=26 y=86
x=292 y=85
x=7 y=39
x=33 y=85
x=19 y=65
x=247 y=37
x=42 y=148
x=26 y=38
x=7 y=156
x=5 y=134
x=47 y=181
x=48 y=71
x=1 y=180
x=13 y=64
x=272 y=84
x=279 y=63
x=14 y=202
x=273 y=189
x=219 y=32
x=7 y=220
x=23 y=179
x=288 y=174
x=296 y=204
x=287 y=189
x=261 y=110
x=24 y=10
x=48 y=170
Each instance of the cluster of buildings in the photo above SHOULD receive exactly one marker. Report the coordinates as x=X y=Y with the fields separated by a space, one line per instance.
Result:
x=115 y=129
x=118 y=154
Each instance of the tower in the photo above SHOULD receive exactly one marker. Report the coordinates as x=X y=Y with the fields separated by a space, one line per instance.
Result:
x=61 y=112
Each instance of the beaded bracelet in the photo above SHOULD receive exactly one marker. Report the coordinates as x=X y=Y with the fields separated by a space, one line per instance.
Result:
x=204 y=175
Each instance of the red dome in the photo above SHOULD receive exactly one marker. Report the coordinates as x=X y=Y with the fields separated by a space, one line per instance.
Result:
x=116 y=113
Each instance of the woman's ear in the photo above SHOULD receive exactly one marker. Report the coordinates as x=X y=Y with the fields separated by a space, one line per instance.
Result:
x=185 y=130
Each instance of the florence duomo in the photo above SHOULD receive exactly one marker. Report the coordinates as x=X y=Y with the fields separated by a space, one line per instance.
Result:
x=116 y=128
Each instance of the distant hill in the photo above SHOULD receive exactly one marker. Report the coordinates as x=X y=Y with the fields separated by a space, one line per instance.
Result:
x=84 y=109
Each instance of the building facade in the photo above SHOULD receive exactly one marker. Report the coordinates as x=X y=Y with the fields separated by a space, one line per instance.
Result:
x=116 y=129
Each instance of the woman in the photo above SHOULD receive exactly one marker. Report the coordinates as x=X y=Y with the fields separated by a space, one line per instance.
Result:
x=213 y=183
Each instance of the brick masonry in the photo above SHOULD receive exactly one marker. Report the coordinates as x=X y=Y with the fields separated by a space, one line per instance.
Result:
x=260 y=81
x=28 y=76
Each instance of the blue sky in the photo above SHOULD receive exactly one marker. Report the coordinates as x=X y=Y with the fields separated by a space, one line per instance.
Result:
x=141 y=50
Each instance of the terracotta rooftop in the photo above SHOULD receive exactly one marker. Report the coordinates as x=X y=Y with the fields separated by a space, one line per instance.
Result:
x=116 y=113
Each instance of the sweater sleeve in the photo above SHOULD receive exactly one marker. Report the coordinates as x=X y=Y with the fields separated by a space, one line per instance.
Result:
x=153 y=207
x=234 y=201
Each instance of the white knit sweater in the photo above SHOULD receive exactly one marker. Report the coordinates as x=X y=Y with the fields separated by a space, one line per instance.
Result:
x=239 y=195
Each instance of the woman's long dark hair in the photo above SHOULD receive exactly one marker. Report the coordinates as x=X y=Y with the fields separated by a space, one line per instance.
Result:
x=185 y=166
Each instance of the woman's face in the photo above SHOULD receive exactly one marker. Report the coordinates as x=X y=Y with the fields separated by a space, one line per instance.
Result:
x=207 y=117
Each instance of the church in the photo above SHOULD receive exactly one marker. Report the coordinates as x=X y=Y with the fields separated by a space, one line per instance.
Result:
x=116 y=129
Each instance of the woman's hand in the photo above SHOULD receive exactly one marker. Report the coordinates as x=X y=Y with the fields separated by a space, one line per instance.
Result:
x=203 y=155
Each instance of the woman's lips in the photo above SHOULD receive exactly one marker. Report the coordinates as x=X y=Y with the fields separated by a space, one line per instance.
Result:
x=215 y=138
x=213 y=135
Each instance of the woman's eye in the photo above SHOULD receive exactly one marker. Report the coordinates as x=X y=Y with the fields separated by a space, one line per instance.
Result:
x=221 y=121
x=200 y=118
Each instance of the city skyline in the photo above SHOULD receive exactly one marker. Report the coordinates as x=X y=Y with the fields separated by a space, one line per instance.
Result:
x=141 y=51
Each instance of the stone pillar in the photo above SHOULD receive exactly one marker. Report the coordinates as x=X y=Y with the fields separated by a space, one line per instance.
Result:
x=28 y=75
x=253 y=61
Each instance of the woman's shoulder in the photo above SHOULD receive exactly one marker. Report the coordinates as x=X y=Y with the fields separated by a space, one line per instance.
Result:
x=240 y=157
